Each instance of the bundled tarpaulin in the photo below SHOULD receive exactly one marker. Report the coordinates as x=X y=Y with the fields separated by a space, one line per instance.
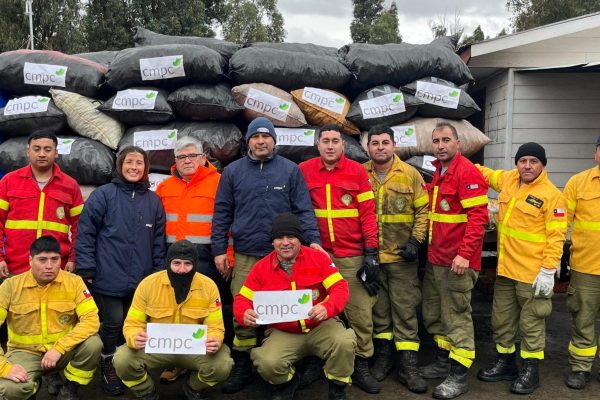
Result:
x=87 y=161
x=221 y=141
x=146 y=37
x=202 y=102
x=309 y=48
x=441 y=98
x=263 y=100
x=165 y=66
x=399 y=64
x=138 y=106
x=25 y=72
x=287 y=70
x=383 y=104
x=300 y=144
x=322 y=107
x=26 y=114
x=101 y=57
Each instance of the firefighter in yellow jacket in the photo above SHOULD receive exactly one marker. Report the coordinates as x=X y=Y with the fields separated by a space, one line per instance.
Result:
x=178 y=295
x=531 y=233
x=401 y=205
x=582 y=194
x=52 y=326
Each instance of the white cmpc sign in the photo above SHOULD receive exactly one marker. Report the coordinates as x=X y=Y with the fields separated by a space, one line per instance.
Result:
x=176 y=339
x=282 y=306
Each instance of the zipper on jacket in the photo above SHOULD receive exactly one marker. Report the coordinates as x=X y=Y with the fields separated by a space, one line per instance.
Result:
x=133 y=194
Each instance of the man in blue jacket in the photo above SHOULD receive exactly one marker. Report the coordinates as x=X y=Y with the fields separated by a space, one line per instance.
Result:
x=251 y=192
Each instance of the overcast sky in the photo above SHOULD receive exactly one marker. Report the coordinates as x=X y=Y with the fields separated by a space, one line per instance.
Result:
x=327 y=22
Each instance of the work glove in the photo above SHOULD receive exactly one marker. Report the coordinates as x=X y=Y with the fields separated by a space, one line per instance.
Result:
x=410 y=251
x=368 y=274
x=544 y=282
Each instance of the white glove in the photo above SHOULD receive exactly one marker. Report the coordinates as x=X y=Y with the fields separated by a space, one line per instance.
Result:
x=544 y=282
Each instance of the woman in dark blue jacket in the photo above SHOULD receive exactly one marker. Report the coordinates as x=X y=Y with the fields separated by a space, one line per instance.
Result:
x=120 y=241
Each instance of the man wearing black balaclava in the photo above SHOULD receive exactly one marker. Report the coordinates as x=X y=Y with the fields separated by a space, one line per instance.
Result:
x=177 y=295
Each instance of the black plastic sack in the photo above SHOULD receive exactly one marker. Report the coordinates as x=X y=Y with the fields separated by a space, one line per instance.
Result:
x=101 y=57
x=127 y=109
x=287 y=70
x=398 y=64
x=465 y=108
x=22 y=124
x=309 y=48
x=146 y=37
x=89 y=161
x=221 y=141
x=202 y=102
x=198 y=65
x=37 y=71
x=386 y=111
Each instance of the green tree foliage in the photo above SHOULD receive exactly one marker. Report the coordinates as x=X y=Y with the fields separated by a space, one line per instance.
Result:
x=107 y=25
x=171 y=17
x=366 y=12
x=476 y=37
x=528 y=14
x=253 y=21
x=14 y=33
x=502 y=33
x=385 y=28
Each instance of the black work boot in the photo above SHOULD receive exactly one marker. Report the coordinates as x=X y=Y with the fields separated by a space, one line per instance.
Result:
x=191 y=394
x=68 y=391
x=439 y=368
x=362 y=378
x=455 y=384
x=53 y=382
x=577 y=379
x=408 y=372
x=285 y=391
x=503 y=369
x=337 y=390
x=111 y=384
x=383 y=363
x=311 y=370
x=241 y=374
x=150 y=396
x=529 y=377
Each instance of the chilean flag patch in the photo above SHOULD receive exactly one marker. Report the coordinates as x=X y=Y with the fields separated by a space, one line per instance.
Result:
x=559 y=212
x=218 y=302
x=473 y=186
x=87 y=294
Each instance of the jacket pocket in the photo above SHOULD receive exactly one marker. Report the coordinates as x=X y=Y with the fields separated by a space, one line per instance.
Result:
x=159 y=314
x=193 y=314
x=61 y=312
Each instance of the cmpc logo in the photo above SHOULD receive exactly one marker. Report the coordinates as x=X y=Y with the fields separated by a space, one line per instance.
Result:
x=161 y=67
x=27 y=104
x=44 y=74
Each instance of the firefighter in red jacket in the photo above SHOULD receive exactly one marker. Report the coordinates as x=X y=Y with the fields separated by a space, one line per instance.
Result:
x=345 y=208
x=458 y=213
x=292 y=266
x=38 y=199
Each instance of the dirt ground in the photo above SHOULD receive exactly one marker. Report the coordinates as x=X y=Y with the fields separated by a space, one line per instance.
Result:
x=553 y=369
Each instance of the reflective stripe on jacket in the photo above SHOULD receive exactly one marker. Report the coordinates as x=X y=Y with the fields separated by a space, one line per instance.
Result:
x=532 y=224
x=26 y=213
x=457 y=213
x=344 y=205
x=60 y=315
x=401 y=202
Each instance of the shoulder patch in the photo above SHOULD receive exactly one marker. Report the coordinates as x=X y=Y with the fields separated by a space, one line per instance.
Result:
x=472 y=186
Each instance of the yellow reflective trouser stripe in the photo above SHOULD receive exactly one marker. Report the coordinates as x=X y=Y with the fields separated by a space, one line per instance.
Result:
x=536 y=354
x=346 y=213
x=571 y=205
x=131 y=384
x=467 y=362
x=443 y=342
x=331 y=377
x=505 y=350
x=78 y=375
x=586 y=225
x=4 y=205
x=332 y=279
x=3 y=314
x=494 y=180
x=448 y=218
x=209 y=383
x=86 y=307
x=397 y=218
x=433 y=204
x=244 y=342
x=421 y=201
x=247 y=293
x=529 y=237
x=384 y=335
x=289 y=377
x=463 y=352
x=589 y=352
x=502 y=228
x=474 y=201
x=76 y=210
x=411 y=346
x=136 y=314
x=365 y=196
x=37 y=225
x=214 y=316
x=556 y=225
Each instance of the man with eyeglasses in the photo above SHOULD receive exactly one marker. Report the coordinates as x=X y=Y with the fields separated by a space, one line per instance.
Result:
x=188 y=197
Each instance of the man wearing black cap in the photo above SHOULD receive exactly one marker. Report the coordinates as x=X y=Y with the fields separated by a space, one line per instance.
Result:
x=531 y=233
x=251 y=192
x=292 y=266
x=177 y=295
x=582 y=193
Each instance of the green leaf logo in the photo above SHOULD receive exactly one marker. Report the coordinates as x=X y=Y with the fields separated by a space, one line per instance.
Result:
x=60 y=72
x=43 y=100
x=177 y=62
x=410 y=132
x=309 y=133
x=284 y=106
x=453 y=93
x=339 y=100
x=397 y=98
x=172 y=134
x=151 y=95
x=198 y=334
x=304 y=299
x=67 y=141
